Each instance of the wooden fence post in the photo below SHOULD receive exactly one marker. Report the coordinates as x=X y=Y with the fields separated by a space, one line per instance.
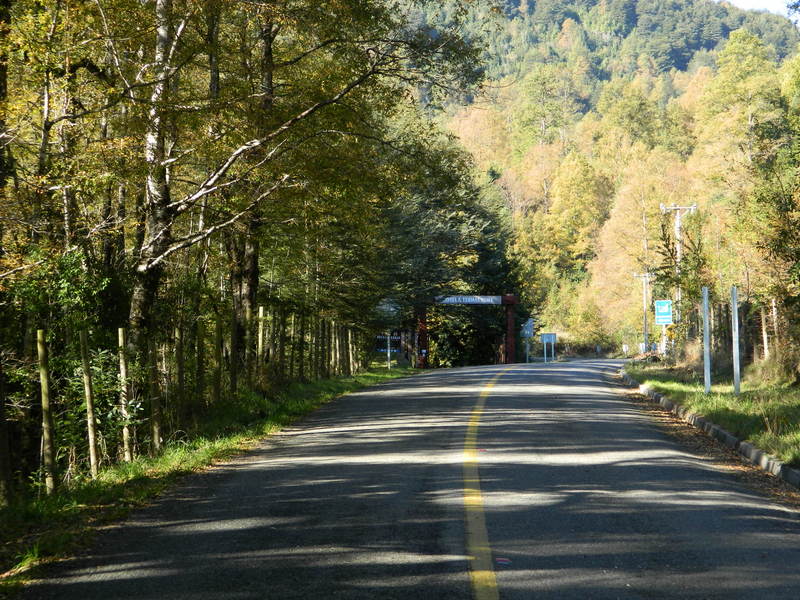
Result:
x=91 y=421
x=48 y=444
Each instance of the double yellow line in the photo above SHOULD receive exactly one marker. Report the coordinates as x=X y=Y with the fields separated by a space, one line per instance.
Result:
x=484 y=582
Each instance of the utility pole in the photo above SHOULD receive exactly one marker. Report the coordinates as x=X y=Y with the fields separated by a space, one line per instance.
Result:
x=645 y=277
x=679 y=211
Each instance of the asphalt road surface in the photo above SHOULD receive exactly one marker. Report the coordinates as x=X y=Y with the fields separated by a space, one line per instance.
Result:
x=579 y=496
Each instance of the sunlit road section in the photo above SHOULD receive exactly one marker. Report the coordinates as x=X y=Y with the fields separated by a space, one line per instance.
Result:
x=580 y=495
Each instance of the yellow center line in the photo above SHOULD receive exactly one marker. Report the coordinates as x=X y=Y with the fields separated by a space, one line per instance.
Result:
x=484 y=582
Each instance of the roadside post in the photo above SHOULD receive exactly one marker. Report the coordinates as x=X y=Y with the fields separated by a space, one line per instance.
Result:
x=706 y=343
x=527 y=334
x=737 y=377
x=549 y=338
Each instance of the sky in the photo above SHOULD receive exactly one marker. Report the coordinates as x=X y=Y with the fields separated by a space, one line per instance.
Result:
x=776 y=6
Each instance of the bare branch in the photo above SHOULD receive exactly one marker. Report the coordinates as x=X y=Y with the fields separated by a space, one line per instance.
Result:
x=211 y=184
x=195 y=238
x=22 y=268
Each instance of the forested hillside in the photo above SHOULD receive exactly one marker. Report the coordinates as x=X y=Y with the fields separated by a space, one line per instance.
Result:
x=598 y=113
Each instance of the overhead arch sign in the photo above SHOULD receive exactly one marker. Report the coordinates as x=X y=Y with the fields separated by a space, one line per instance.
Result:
x=469 y=300
x=509 y=301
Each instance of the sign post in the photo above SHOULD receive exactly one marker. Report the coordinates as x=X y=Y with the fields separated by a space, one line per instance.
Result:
x=527 y=334
x=549 y=338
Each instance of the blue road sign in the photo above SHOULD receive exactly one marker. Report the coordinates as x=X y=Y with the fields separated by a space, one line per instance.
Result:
x=527 y=329
x=664 y=312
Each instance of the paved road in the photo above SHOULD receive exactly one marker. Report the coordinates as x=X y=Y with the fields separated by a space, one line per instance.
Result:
x=582 y=497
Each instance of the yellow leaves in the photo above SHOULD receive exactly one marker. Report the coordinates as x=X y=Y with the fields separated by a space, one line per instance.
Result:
x=790 y=82
x=466 y=259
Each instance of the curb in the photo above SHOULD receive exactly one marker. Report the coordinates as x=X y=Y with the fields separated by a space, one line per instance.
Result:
x=746 y=449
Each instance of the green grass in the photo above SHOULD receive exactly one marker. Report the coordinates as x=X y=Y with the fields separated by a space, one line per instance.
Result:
x=37 y=530
x=767 y=415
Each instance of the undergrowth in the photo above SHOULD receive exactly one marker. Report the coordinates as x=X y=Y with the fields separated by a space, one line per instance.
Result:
x=767 y=414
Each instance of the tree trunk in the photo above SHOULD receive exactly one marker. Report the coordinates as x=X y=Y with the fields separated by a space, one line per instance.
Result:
x=775 y=328
x=216 y=394
x=48 y=442
x=292 y=346
x=316 y=345
x=158 y=213
x=326 y=352
x=250 y=293
x=91 y=422
x=156 y=413
x=212 y=42
x=351 y=355
x=301 y=342
x=124 y=396
x=339 y=350
x=6 y=166
x=180 y=379
x=6 y=485
x=281 y=335
x=259 y=361
x=337 y=347
x=239 y=304
x=235 y=352
x=199 y=370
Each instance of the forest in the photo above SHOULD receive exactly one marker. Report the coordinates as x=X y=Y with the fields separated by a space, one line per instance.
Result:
x=204 y=201
x=600 y=118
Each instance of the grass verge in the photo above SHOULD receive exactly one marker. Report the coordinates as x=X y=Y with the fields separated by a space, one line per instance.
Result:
x=37 y=530
x=766 y=415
